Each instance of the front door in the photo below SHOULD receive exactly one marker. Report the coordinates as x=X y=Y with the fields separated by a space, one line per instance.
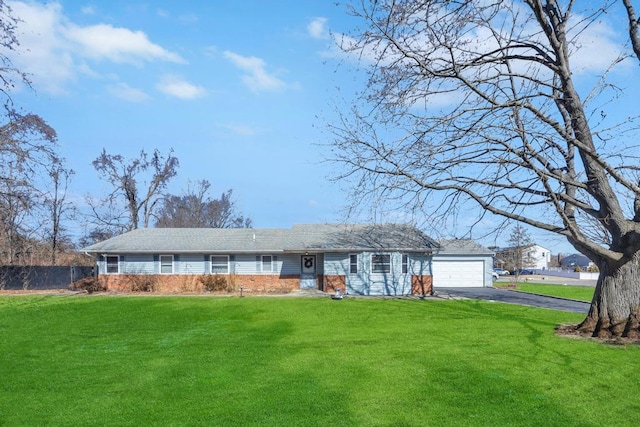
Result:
x=308 y=272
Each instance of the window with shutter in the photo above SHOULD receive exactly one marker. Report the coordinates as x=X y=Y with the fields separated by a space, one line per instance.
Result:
x=267 y=263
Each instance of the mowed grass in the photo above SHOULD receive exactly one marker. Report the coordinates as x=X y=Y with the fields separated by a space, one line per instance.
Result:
x=581 y=293
x=304 y=361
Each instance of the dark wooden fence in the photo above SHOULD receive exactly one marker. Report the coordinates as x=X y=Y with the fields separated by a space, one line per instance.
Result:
x=41 y=277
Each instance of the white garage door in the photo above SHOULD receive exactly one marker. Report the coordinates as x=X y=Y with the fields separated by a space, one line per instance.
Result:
x=458 y=274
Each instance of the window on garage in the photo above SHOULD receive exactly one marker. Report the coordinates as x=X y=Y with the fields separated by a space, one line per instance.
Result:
x=381 y=263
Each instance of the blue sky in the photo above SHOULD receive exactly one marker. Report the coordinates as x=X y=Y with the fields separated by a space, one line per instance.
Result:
x=234 y=87
x=241 y=90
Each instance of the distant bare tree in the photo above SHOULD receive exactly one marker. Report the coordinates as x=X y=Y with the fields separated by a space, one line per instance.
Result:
x=136 y=183
x=196 y=208
x=517 y=255
x=478 y=104
x=28 y=164
x=9 y=74
x=58 y=206
x=96 y=235
x=27 y=148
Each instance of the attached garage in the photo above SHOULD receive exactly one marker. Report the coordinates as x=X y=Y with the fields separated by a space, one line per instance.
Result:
x=462 y=264
x=458 y=274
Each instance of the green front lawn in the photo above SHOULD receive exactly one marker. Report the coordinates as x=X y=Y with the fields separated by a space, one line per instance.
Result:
x=581 y=293
x=304 y=361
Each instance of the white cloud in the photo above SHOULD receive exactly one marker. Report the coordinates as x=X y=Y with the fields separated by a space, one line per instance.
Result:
x=42 y=52
x=116 y=44
x=239 y=129
x=128 y=93
x=180 y=88
x=344 y=46
x=257 y=79
x=54 y=52
x=88 y=10
x=317 y=28
x=188 y=18
x=596 y=49
x=211 y=51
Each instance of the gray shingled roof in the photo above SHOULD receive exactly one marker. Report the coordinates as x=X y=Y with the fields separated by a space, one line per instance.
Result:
x=299 y=238
x=462 y=246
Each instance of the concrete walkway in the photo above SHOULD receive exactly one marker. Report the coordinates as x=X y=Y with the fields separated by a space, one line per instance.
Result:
x=514 y=297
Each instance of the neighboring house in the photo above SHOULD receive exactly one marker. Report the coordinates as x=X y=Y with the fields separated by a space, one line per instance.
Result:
x=385 y=259
x=462 y=263
x=533 y=257
x=571 y=262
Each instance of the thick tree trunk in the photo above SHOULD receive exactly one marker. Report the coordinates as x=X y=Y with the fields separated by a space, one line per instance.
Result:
x=615 y=308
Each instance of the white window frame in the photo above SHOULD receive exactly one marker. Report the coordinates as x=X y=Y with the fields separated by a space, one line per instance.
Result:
x=161 y=264
x=269 y=264
x=106 y=264
x=405 y=264
x=219 y=256
x=383 y=264
x=353 y=266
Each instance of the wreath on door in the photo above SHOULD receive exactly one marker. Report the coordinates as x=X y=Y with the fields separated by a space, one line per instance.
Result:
x=308 y=262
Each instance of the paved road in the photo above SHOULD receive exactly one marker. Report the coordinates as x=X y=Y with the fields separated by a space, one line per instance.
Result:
x=535 y=278
x=512 y=297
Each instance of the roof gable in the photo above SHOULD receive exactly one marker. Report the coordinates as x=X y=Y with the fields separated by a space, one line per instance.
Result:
x=462 y=246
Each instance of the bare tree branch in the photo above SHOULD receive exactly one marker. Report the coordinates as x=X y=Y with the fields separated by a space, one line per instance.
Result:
x=123 y=175
x=476 y=104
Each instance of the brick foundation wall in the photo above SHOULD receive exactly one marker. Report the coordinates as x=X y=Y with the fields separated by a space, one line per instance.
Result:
x=194 y=283
x=335 y=281
x=421 y=284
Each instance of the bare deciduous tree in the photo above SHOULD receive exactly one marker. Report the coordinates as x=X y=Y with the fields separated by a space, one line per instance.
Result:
x=96 y=235
x=27 y=148
x=487 y=105
x=196 y=208
x=29 y=167
x=130 y=188
x=58 y=206
x=9 y=42
x=518 y=254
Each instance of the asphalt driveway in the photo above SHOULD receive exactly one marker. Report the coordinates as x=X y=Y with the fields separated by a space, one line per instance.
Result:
x=514 y=297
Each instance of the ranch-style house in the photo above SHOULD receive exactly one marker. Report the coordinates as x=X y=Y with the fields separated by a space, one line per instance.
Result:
x=373 y=259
